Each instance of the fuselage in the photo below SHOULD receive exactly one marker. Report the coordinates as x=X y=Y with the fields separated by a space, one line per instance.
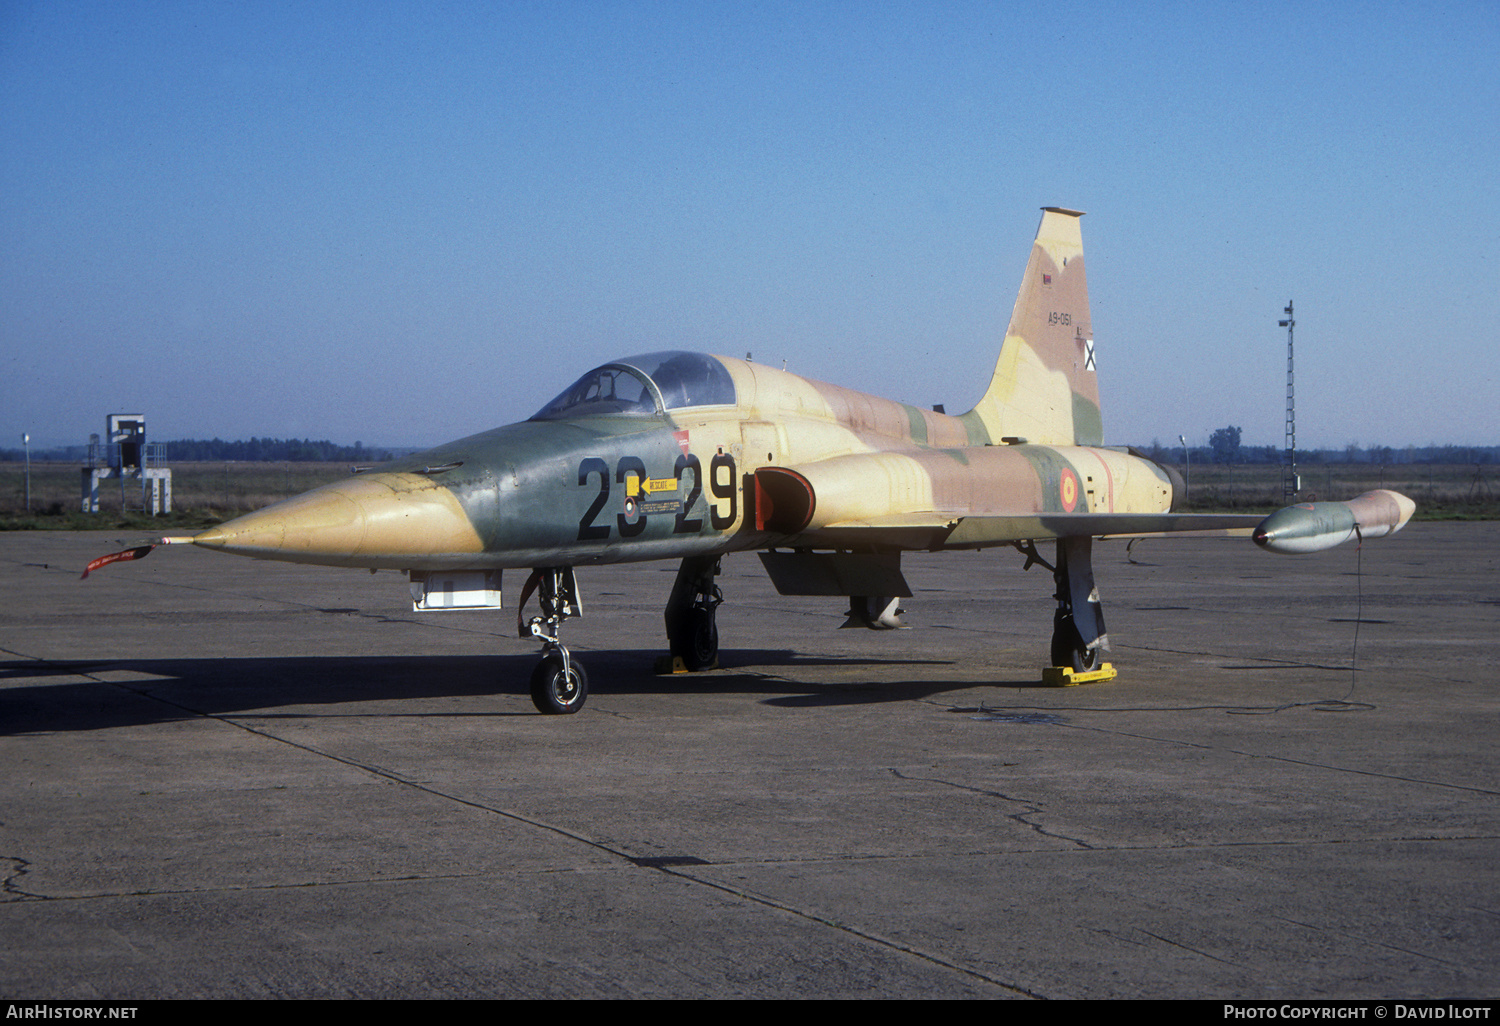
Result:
x=596 y=479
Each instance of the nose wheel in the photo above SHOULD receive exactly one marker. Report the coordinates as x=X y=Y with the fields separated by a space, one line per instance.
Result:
x=558 y=683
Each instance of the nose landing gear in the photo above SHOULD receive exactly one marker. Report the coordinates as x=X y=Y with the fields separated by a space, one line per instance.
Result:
x=559 y=683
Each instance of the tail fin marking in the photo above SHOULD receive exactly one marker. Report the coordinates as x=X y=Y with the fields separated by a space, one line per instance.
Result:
x=1045 y=388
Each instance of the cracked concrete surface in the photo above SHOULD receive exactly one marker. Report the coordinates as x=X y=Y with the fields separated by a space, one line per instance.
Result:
x=228 y=778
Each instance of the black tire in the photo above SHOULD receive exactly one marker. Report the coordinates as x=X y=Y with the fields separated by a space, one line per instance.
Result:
x=553 y=694
x=696 y=640
x=1068 y=648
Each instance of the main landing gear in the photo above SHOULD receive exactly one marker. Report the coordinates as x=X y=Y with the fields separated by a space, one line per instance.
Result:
x=559 y=683
x=692 y=630
x=1079 y=638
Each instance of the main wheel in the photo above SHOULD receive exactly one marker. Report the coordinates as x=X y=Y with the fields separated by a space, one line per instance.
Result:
x=1068 y=648
x=553 y=691
x=696 y=640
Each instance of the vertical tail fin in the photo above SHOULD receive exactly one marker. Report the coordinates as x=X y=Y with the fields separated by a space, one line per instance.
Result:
x=1044 y=388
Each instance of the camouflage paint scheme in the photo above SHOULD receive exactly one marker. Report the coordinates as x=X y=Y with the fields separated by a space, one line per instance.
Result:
x=685 y=456
x=791 y=462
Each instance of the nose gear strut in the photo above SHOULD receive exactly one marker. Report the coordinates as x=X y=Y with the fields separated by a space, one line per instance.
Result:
x=558 y=683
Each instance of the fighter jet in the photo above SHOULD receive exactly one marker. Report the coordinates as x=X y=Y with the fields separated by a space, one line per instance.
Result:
x=686 y=456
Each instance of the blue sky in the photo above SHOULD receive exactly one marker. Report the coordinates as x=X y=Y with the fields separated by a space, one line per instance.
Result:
x=403 y=223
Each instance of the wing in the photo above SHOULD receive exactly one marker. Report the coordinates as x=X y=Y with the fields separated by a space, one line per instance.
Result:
x=934 y=531
x=996 y=495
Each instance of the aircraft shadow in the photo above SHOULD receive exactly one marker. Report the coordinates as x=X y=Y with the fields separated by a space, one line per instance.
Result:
x=133 y=692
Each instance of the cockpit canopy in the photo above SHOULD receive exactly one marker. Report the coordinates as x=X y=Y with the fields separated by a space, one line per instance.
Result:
x=644 y=385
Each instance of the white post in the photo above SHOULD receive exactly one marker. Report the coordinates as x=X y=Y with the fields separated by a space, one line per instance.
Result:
x=1187 y=462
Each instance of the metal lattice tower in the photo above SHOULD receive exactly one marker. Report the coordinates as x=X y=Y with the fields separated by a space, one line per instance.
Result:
x=1289 y=483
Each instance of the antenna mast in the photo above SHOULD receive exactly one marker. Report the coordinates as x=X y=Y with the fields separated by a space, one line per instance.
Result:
x=1290 y=485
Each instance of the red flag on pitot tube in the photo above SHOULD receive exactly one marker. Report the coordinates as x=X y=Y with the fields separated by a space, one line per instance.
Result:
x=114 y=557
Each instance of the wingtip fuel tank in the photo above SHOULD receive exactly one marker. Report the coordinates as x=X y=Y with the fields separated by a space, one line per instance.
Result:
x=1315 y=526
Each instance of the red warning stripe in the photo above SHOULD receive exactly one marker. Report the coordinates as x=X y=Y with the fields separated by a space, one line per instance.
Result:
x=116 y=557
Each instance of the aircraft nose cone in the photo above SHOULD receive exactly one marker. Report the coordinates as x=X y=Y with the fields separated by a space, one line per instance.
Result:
x=376 y=520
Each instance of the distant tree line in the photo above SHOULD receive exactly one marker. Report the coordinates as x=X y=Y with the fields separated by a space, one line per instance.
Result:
x=256 y=450
x=1224 y=447
x=271 y=450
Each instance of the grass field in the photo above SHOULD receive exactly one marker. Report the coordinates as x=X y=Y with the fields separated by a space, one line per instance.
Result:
x=1441 y=491
x=209 y=493
x=202 y=494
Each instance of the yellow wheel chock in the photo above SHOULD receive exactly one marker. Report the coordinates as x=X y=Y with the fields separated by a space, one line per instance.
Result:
x=1066 y=676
